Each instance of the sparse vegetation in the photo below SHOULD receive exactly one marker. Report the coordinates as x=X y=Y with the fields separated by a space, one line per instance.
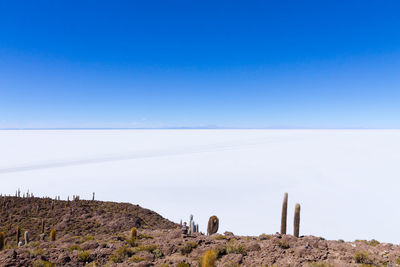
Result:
x=220 y=237
x=282 y=243
x=264 y=237
x=36 y=252
x=362 y=257
x=136 y=259
x=42 y=263
x=372 y=242
x=183 y=264
x=120 y=254
x=74 y=247
x=236 y=248
x=188 y=247
x=84 y=256
x=320 y=264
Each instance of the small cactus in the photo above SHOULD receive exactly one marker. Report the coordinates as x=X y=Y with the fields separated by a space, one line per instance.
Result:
x=213 y=224
x=284 y=214
x=133 y=233
x=53 y=235
x=2 y=241
x=296 y=220
x=26 y=237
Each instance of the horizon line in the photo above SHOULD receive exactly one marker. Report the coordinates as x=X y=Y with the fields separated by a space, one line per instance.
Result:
x=193 y=128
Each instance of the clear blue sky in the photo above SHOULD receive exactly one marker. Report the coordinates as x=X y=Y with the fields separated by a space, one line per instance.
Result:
x=251 y=64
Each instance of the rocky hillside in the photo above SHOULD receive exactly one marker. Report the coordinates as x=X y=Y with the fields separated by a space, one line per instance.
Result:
x=74 y=218
x=94 y=233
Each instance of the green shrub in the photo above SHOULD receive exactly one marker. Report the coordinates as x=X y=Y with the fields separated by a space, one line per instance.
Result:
x=236 y=249
x=320 y=264
x=137 y=259
x=74 y=247
x=41 y=263
x=149 y=248
x=362 y=257
x=183 y=264
x=265 y=237
x=84 y=256
x=36 y=252
x=144 y=236
x=220 y=237
x=120 y=254
x=282 y=244
x=188 y=247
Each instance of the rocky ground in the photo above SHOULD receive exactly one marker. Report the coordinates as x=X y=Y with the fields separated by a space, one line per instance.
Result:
x=95 y=233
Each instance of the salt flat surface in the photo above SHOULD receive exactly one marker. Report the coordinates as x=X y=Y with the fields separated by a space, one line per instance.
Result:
x=347 y=181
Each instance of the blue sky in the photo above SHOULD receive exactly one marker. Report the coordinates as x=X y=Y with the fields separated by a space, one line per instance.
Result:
x=229 y=64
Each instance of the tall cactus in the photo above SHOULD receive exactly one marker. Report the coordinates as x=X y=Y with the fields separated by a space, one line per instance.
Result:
x=190 y=224
x=296 y=220
x=284 y=214
x=26 y=237
x=213 y=224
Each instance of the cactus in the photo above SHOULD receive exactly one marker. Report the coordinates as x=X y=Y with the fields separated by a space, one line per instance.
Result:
x=53 y=235
x=93 y=197
x=42 y=226
x=284 y=214
x=190 y=225
x=18 y=235
x=2 y=241
x=26 y=237
x=213 y=224
x=296 y=220
x=133 y=233
x=209 y=258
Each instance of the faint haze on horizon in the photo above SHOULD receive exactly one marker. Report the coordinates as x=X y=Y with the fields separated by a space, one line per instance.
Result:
x=189 y=64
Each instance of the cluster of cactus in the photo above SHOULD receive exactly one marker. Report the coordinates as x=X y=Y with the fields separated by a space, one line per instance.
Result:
x=24 y=195
x=296 y=221
x=193 y=227
x=213 y=224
